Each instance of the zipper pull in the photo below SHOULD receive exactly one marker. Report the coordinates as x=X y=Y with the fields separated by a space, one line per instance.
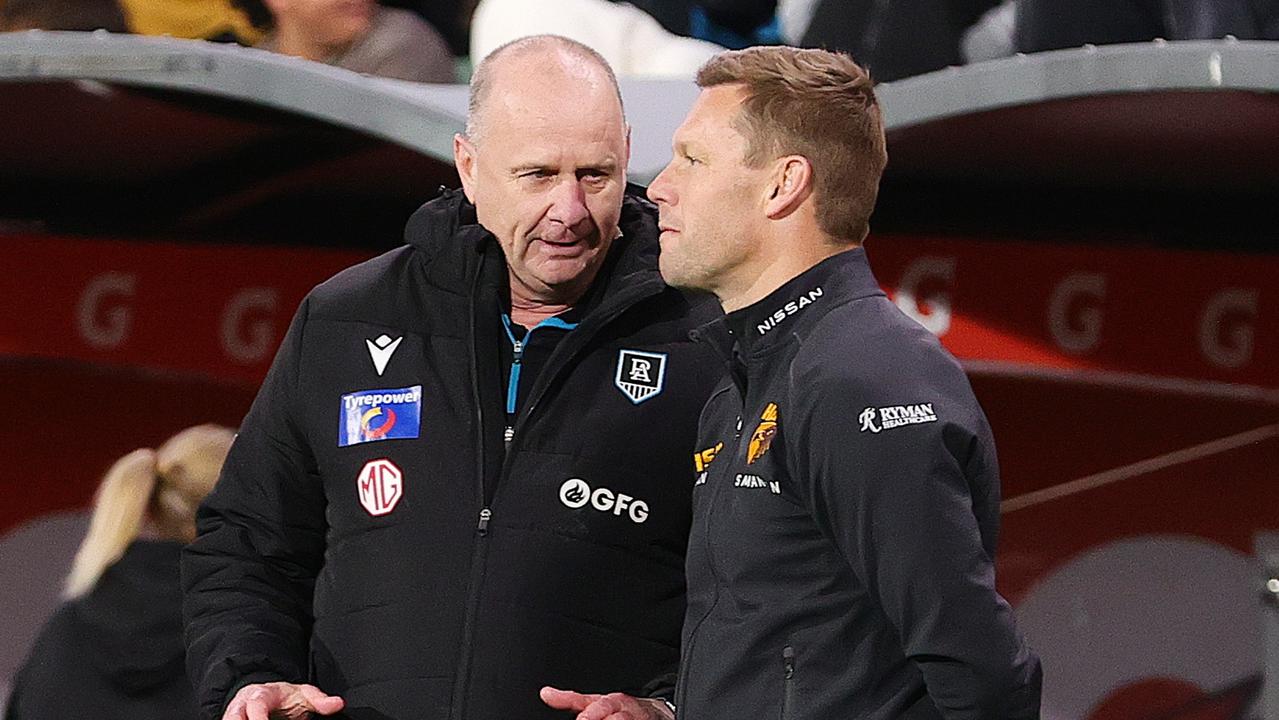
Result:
x=788 y=661
x=518 y=349
x=737 y=432
x=508 y=434
x=485 y=516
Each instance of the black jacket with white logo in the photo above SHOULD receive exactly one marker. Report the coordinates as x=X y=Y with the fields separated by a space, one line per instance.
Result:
x=419 y=570
x=845 y=515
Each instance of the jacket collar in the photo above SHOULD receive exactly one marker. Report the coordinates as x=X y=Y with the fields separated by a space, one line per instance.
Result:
x=792 y=309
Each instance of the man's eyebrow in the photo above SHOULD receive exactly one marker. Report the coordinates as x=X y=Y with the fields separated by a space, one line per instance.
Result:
x=608 y=166
x=687 y=147
x=529 y=166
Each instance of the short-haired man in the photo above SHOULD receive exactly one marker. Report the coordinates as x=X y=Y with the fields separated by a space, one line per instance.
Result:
x=466 y=473
x=846 y=500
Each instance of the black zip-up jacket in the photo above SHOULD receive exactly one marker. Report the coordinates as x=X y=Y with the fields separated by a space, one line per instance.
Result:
x=385 y=547
x=845 y=514
x=115 y=653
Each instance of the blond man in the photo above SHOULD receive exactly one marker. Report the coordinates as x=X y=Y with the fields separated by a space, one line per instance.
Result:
x=846 y=501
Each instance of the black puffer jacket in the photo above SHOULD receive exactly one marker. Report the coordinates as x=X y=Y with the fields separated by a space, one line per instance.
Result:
x=116 y=653
x=417 y=569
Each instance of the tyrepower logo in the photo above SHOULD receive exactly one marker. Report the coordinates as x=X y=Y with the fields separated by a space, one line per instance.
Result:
x=575 y=493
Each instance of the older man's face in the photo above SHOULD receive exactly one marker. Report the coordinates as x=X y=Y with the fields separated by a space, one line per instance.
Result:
x=547 y=173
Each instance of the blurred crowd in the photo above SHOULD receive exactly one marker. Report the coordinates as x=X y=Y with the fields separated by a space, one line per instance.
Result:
x=440 y=40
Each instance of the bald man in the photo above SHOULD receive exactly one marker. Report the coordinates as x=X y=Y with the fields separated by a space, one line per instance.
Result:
x=467 y=473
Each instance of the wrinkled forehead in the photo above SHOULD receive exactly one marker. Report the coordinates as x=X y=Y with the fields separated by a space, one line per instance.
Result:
x=575 y=117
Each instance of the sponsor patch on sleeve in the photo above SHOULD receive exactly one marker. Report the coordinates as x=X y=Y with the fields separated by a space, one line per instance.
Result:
x=372 y=415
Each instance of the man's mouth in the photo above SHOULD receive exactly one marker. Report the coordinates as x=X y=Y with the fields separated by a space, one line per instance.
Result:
x=561 y=242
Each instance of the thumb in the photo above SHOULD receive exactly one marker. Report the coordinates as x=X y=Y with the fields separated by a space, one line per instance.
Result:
x=321 y=703
x=566 y=699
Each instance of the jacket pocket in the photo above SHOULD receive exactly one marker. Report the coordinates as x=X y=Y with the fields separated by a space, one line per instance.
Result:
x=788 y=682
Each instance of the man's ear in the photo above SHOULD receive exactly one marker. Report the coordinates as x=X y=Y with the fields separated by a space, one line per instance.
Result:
x=790 y=184
x=465 y=159
x=626 y=161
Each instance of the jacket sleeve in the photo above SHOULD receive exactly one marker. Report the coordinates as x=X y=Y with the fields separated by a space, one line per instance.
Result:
x=899 y=504
x=248 y=577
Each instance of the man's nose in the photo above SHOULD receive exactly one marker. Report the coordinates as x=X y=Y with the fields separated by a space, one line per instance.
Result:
x=568 y=203
x=659 y=191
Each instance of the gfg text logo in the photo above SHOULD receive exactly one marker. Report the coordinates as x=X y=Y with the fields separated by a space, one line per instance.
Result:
x=576 y=493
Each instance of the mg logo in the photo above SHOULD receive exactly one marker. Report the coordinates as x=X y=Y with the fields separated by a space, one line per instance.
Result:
x=380 y=485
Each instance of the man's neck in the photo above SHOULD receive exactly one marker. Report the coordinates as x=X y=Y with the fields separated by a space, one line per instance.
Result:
x=530 y=316
x=776 y=271
x=529 y=308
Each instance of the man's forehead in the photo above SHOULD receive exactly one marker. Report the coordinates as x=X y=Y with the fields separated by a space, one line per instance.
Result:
x=711 y=115
x=560 y=78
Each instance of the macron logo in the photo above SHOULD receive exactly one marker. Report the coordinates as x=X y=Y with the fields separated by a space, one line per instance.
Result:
x=381 y=351
x=789 y=309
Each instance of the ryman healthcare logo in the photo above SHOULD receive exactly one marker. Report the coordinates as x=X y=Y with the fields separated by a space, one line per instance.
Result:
x=789 y=309
x=575 y=493
x=370 y=415
x=886 y=418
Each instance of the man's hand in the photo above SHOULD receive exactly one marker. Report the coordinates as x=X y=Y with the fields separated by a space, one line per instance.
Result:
x=281 y=701
x=613 y=706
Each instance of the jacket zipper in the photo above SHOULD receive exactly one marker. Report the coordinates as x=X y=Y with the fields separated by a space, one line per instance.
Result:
x=573 y=343
x=517 y=361
x=788 y=682
x=461 y=686
x=681 y=683
x=620 y=304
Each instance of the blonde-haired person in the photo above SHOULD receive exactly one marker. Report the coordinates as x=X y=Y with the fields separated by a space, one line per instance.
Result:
x=114 y=649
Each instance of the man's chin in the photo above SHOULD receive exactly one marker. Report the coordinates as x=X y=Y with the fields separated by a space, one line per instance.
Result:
x=677 y=277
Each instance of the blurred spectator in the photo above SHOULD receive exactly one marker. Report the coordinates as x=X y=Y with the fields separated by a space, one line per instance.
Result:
x=357 y=35
x=1052 y=25
x=707 y=19
x=631 y=40
x=114 y=649
x=452 y=18
x=991 y=37
x=61 y=15
x=794 y=16
x=216 y=20
x=895 y=39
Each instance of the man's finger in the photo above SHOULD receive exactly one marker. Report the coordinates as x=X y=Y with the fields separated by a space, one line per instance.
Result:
x=320 y=702
x=234 y=711
x=566 y=699
x=603 y=707
x=256 y=709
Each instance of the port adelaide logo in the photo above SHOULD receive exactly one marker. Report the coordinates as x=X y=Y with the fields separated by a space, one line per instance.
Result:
x=640 y=375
